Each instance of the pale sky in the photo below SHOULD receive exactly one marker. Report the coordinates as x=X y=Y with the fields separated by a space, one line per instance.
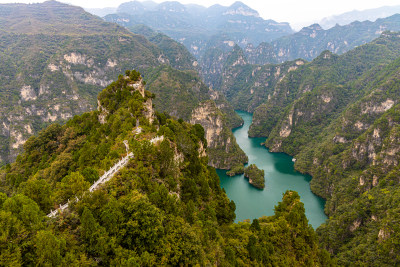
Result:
x=296 y=12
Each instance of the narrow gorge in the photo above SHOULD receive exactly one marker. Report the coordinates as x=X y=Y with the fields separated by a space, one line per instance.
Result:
x=279 y=177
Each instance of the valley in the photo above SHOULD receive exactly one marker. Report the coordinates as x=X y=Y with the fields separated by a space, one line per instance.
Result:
x=279 y=177
x=197 y=94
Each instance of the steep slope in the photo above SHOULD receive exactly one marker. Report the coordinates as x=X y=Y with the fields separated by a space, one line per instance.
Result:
x=223 y=150
x=329 y=74
x=52 y=69
x=182 y=94
x=164 y=208
x=339 y=117
x=311 y=41
x=194 y=26
x=178 y=56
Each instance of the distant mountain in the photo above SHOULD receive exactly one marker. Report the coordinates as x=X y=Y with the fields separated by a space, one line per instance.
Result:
x=101 y=12
x=311 y=41
x=306 y=44
x=194 y=25
x=356 y=15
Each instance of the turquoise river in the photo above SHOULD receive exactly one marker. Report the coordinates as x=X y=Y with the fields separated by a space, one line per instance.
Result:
x=280 y=176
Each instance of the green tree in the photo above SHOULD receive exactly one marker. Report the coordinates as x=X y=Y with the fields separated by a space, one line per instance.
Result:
x=39 y=191
x=71 y=186
x=48 y=249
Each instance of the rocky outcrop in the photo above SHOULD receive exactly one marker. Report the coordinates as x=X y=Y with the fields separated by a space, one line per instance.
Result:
x=76 y=68
x=223 y=151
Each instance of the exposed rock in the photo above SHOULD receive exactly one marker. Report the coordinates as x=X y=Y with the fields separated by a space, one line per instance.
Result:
x=17 y=138
x=223 y=151
x=287 y=127
x=53 y=67
x=77 y=58
x=339 y=139
x=149 y=111
x=138 y=86
x=202 y=150
x=383 y=235
x=28 y=129
x=50 y=117
x=375 y=180
x=28 y=93
x=326 y=99
x=371 y=108
x=111 y=63
x=103 y=113
x=356 y=224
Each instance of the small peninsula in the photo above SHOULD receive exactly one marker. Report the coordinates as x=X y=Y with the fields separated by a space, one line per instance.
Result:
x=255 y=175
x=237 y=169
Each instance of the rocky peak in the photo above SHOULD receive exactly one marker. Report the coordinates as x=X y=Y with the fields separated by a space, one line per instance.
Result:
x=113 y=96
x=311 y=30
x=172 y=6
x=238 y=8
x=236 y=57
x=131 y=7
x=313 y=27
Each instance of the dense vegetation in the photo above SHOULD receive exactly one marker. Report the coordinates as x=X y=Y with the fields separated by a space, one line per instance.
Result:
x=339 y=117
x=52 y=69
x=250 y=81
x=165 y=207
x=255 y=176
x=237 y=169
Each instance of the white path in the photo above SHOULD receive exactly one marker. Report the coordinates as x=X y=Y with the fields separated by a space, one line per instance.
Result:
x=104 y=178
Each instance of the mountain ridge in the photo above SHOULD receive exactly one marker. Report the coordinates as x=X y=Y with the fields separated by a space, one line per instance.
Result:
x=193 y=26
x=55 y=75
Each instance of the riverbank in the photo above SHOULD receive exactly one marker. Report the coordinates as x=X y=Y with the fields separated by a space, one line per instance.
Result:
x=279 y=176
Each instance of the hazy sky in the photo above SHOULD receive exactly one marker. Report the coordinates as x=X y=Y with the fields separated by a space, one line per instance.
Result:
x=294 y=11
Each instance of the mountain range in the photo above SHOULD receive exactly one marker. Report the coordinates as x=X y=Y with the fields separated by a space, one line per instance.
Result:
x=359 y=15
x=53 y=69
x=195 y=26
x=78 y=93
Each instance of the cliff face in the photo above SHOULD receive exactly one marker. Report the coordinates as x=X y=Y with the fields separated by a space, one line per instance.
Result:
x=222 y=149
x=339 y=117
x=55 y=72
x=55 y=85
x=245 y=85
x=311 y=41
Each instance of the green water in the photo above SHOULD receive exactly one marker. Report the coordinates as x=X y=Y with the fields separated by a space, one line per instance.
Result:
x=280 y=176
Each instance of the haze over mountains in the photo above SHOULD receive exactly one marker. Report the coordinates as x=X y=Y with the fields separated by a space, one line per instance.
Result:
x=359 y=15
x=195 y=26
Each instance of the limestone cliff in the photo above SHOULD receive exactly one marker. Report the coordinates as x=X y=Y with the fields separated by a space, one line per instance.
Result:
x=223 y=151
